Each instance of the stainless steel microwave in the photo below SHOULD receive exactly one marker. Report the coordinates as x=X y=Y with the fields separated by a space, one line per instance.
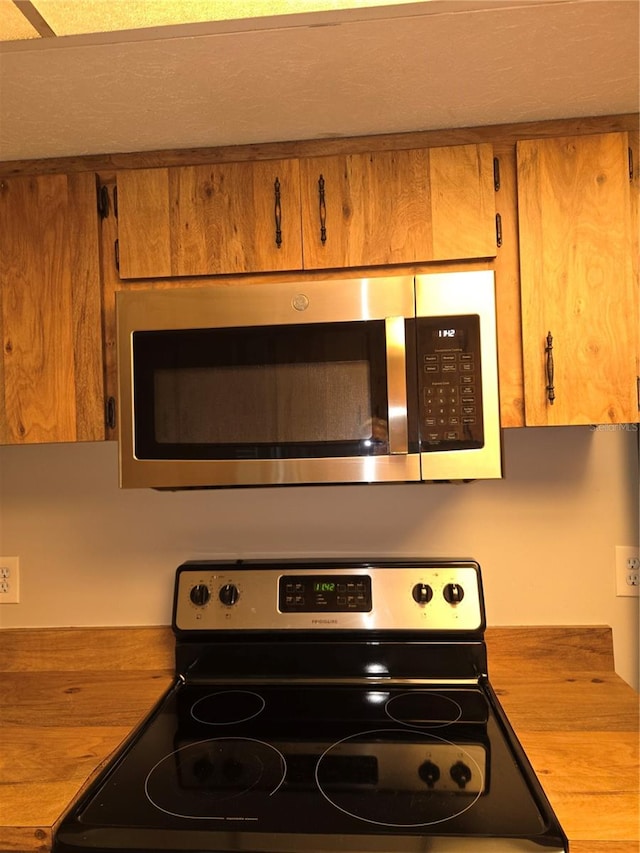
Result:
x=361 y=380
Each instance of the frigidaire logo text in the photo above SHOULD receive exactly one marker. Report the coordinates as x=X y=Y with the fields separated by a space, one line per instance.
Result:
x=324 y=621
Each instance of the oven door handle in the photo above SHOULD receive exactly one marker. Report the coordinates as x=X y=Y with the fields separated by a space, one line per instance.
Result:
x=397 y=385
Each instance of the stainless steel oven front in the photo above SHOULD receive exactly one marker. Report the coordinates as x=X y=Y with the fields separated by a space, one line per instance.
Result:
x=390 y=379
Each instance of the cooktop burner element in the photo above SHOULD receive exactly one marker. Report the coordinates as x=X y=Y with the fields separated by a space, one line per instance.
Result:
x=423 y=708
x=225 y=707
x=399 y=760
x=322 y=708
x=197 y=781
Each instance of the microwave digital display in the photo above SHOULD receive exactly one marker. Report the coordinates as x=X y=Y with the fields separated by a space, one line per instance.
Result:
x=447 y=334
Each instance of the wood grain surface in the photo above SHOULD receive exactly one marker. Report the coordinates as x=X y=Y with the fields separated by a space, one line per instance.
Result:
x=207 y=220
x=575 y=242
x=50 y=310
x=507 y=133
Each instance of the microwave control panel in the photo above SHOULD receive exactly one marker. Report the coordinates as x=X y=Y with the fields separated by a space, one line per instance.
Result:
x=449 y=383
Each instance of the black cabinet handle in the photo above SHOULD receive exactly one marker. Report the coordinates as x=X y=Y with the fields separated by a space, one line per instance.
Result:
x=551 y=393
x=111 y=413
x=278 y=212
x=103 y=202
x=323 y=210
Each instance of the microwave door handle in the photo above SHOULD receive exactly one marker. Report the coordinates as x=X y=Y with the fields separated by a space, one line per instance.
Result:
x=396 y=385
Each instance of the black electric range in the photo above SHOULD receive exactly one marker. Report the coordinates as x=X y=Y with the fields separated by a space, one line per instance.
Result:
x=322 y=707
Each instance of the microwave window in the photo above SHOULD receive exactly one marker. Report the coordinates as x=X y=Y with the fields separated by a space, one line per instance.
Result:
x=263 y=403
x=261 y=392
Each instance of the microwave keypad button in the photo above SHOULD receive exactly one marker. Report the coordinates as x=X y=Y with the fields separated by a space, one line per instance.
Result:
x=469 y=420
x=468 y=410
x=432 y=368
x=431 y=359
x=466 y=356
x=450 y=368
x=451 y=435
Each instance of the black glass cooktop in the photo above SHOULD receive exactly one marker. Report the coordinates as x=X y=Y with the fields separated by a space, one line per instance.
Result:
x=309 y=767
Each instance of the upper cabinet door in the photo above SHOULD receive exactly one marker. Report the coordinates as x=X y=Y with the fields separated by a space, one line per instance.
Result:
x=392 y=207
x=579 y=289
x=207 y=220
x=51 y=381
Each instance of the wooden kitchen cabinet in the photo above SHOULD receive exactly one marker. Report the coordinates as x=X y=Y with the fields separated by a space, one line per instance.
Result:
x=51 y=379
x=403 y=206
x=578 y=282
x=207 y=220
x=366 y=209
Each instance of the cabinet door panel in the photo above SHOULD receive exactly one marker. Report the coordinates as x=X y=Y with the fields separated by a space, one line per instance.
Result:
x=577 y=279
x=51 y=314
x=144 y=225
x=376 y=205
x=392 y=207
x=462 y=202
x=206 y=220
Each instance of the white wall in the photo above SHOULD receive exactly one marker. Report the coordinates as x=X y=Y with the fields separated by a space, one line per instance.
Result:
x=545 y=536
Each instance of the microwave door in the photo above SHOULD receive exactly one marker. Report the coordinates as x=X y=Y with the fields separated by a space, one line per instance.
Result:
x=309 y=388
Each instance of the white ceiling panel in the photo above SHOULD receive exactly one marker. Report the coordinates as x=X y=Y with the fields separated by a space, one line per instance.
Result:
x=415 y=67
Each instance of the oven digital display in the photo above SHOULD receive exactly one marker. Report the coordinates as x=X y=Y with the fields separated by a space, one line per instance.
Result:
x=324 y=594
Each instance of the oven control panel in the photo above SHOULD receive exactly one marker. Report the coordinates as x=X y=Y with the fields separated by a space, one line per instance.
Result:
x=324 y=594
x=435 y=596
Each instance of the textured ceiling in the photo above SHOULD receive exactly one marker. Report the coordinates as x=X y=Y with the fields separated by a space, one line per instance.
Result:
x=442 y=63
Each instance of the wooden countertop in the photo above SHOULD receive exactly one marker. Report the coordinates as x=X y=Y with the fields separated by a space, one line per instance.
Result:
x=69 y=697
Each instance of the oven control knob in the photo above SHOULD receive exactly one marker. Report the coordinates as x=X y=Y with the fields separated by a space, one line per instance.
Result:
x=422 y=593
x=429 y=773
x=460 y=774
x=229 y=594
x=200 y=594
x=453 y=593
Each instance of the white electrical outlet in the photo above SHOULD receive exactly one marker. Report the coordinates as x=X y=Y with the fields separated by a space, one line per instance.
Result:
x=9 y=580
x=627 y=570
